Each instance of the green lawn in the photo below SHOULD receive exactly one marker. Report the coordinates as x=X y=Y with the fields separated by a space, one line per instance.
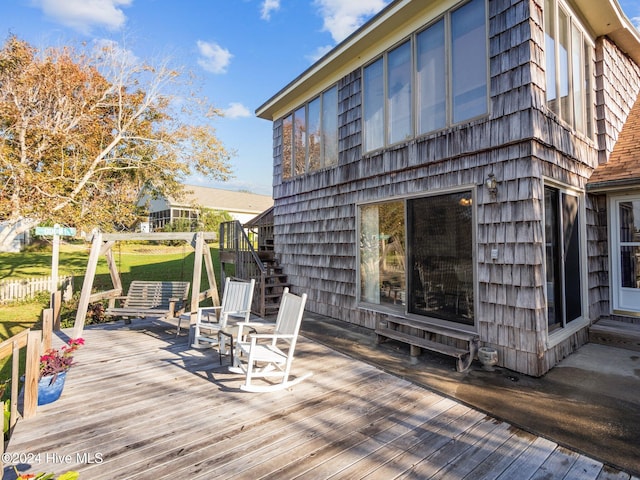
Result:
x=142 y=261
x=135 y=261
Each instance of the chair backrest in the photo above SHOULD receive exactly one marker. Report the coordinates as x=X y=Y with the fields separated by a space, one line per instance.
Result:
x=236 y=299
x=290 y=315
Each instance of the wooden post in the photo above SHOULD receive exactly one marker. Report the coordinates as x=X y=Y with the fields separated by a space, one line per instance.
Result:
x=56 y=306
x=90 y=274
x=32 y=372
x=15 y=375
x=197 y=272
x=213 y=286
x=55 y=258
x=47 y=328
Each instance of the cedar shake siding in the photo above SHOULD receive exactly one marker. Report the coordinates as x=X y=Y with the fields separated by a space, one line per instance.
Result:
x=520 y=140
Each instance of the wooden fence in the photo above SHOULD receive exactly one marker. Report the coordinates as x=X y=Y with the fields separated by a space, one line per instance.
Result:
x=35 y=342
x=12 y=290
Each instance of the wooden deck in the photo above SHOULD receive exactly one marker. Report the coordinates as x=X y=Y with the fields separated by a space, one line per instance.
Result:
x=141 y=404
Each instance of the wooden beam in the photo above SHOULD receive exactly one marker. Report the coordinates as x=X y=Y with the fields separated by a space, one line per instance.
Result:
x=87 y=285
x=157 y=236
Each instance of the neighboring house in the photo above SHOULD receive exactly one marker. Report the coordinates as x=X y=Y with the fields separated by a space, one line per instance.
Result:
x=468 y=164
x=241 y=206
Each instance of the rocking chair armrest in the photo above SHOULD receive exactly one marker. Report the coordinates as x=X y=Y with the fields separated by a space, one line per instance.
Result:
x=258 y=336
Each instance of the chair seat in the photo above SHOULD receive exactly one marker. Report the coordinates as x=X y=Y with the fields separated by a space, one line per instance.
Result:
x=263 y=353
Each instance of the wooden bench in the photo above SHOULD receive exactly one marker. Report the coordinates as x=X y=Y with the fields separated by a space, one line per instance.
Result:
x=152 y=299
x=424 y=335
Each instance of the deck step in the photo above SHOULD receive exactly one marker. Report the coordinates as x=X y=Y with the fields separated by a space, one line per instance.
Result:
x=616 y=334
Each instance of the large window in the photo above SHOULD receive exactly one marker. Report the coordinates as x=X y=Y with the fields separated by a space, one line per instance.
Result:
x=431 y=272
x=563 y=257
x=310 y=136
x=569 y=73
x=450 y=71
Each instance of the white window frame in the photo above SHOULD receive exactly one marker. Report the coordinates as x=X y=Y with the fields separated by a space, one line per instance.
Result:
x=619 y=296
x=568 y=329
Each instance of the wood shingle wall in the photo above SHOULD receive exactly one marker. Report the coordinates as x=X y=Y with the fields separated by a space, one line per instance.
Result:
x=520 y=141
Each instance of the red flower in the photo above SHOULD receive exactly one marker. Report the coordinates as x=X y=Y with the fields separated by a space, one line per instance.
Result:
x=58 y=361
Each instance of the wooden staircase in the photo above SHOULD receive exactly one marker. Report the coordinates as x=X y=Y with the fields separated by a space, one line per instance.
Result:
x=273 y=284
x=254 y=259
x=616 y=334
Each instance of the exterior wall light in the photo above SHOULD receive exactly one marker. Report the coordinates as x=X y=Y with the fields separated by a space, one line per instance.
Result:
x=492 y=184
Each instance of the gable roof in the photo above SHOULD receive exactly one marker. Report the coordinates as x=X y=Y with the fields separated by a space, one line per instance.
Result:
x=220 y=199
x=623 y=167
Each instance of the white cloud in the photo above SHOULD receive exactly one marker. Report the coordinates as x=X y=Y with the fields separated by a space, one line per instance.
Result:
x=341 y=18
x=236 y=110
x=214 y=58
x=269 y=6
x=319 y=53
x=636 y=22
x=82 y=15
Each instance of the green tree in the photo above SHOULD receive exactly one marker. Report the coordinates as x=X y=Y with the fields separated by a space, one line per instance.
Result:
x=83 y=131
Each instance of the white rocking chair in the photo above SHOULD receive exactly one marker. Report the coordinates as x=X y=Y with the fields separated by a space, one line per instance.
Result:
x=275 y=353
x=236 y=303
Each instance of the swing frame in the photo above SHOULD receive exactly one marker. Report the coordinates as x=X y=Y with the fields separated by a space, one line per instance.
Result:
x=103 y=243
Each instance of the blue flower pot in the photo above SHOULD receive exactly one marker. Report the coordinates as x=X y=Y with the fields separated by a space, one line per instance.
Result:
x=49 y=390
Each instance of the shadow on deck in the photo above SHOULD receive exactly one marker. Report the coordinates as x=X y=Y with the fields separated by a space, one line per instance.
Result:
x=141 y=404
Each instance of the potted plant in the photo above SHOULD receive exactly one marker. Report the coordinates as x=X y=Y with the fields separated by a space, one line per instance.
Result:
x=54 y=365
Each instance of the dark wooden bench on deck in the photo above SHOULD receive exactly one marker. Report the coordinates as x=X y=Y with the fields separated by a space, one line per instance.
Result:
x=424 y=335
x=152 y=299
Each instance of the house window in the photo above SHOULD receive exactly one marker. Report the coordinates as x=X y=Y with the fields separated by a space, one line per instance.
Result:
x=299 y=141
x=569 y=73
x=469 y=61
x=625 y=253
x=431 y=78
x=563 y=257
x=310 y=136
x=287 y=146
x=373 y=106
x=431 y=273
x=399 y=94
x=450 y=69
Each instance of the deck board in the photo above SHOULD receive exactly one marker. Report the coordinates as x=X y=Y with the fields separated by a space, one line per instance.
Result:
x=141 y=404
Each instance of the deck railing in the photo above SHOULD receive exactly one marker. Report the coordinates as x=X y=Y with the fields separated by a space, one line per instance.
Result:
x=35 y=342
x=237 y=249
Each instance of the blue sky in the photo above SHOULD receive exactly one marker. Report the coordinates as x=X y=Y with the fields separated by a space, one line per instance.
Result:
x=243 y=51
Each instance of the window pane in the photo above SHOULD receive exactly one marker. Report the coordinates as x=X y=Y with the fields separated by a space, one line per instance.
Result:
x=587 y=89
x=399 y=91
x=382 y=254
x=469 y=61
x=552 y=254
x=562 y=237
x=330 y=126
x=431 y=89
x=313 y=137
x=440 y=240
x=287 y=146
x=550 y=53
x=563 y=57
x=373 y=105
x=629 y=221
x=572 y=279
x=299 y=141
x=576 y=62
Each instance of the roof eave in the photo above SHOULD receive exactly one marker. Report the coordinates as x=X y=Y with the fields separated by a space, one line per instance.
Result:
x=613 y=185
x=605 y=18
